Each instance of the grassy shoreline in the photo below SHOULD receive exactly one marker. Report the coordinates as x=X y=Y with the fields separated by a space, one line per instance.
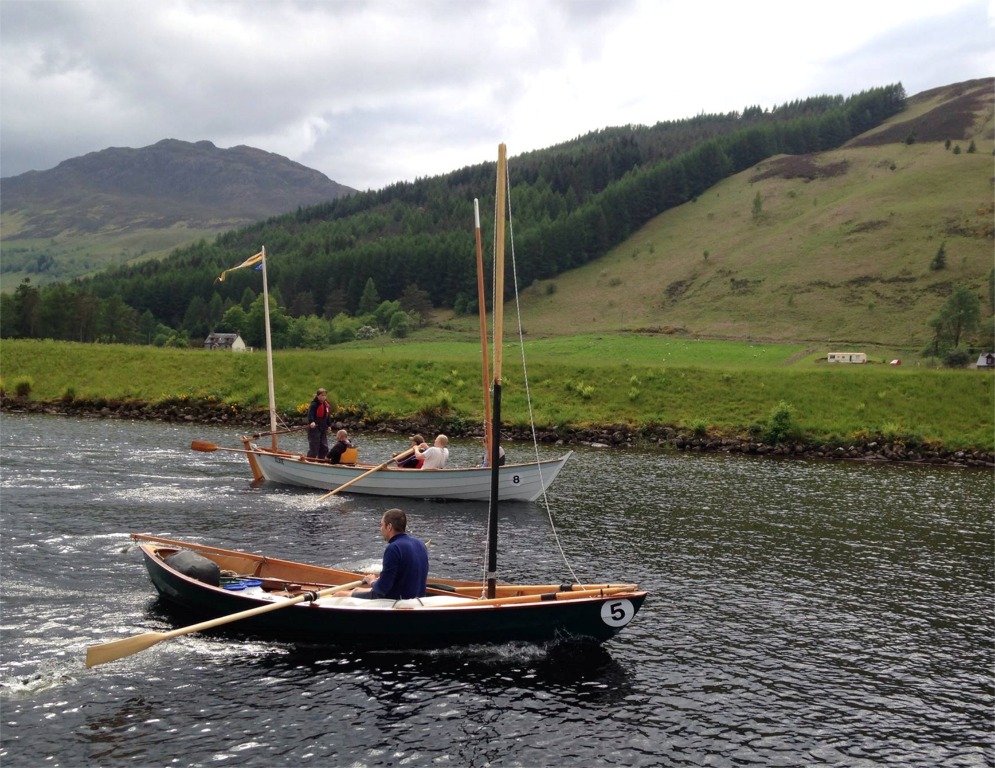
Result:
x=717 y=388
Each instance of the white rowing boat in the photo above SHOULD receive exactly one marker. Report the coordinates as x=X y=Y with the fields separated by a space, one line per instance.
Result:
x=517 y=482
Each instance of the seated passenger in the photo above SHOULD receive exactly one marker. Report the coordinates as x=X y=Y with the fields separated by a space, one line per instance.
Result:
x=405 y=563
x=342 y=444
x=436 y=456
x=501 y=456
x=411 y=461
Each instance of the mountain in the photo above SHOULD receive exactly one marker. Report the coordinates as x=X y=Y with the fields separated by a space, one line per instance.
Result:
x=111 y=206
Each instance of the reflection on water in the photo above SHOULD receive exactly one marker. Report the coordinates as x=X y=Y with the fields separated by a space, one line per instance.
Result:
x=800 y=613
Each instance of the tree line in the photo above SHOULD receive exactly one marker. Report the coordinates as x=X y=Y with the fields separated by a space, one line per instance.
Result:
x=380 y=260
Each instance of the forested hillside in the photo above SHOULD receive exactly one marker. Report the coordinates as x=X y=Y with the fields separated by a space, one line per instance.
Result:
x=387 y=258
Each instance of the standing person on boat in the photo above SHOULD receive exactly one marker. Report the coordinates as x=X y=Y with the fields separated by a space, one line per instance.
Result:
x=342 y=445
x=411 y=461
x=436 y=456
x=405 y=563
x=319 y=422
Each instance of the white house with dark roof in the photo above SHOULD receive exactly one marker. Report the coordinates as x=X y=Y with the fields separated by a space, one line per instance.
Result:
x=986 y=361
x=229 y=341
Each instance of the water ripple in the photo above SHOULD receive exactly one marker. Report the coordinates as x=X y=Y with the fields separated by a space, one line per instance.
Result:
x=800 y=613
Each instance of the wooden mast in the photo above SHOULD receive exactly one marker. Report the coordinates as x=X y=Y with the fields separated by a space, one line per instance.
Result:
x=482 y=302
x=499 y=214
x=269 y=354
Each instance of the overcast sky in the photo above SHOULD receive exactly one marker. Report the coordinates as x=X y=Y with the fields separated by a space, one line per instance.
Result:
x=372 y=92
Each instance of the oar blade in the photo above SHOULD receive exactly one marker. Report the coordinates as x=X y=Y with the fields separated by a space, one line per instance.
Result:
x=204 y=446
x=118 y=649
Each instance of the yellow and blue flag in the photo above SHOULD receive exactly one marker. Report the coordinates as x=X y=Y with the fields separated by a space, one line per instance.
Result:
x=253 y=261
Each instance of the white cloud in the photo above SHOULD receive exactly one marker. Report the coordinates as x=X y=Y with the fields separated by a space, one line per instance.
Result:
x=374 y=92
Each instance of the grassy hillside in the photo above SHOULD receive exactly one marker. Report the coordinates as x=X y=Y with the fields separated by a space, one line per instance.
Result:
x=840 y=259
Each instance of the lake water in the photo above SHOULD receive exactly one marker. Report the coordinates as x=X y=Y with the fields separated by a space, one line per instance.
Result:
x=800 y=614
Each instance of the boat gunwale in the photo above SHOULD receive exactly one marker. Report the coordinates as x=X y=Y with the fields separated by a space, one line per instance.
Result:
x=297 y=456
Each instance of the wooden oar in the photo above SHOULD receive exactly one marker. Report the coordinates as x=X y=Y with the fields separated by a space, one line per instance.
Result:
x=205 y=447
x=543 y=589
x=279 y=431
x=342 y=487
x=541 y=598
x=117 y=649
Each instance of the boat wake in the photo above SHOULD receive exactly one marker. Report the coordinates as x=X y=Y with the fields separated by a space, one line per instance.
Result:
x=49 y=675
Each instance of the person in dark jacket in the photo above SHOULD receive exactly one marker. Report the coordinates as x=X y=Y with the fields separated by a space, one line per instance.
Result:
x=405 y=563
x=319 y=422
x=342 y=445
x=411 y=461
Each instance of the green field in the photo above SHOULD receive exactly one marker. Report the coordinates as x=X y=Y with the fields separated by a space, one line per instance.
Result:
x=726 y=388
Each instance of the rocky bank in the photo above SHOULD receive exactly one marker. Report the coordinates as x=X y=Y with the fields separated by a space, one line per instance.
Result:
x=618 y=436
